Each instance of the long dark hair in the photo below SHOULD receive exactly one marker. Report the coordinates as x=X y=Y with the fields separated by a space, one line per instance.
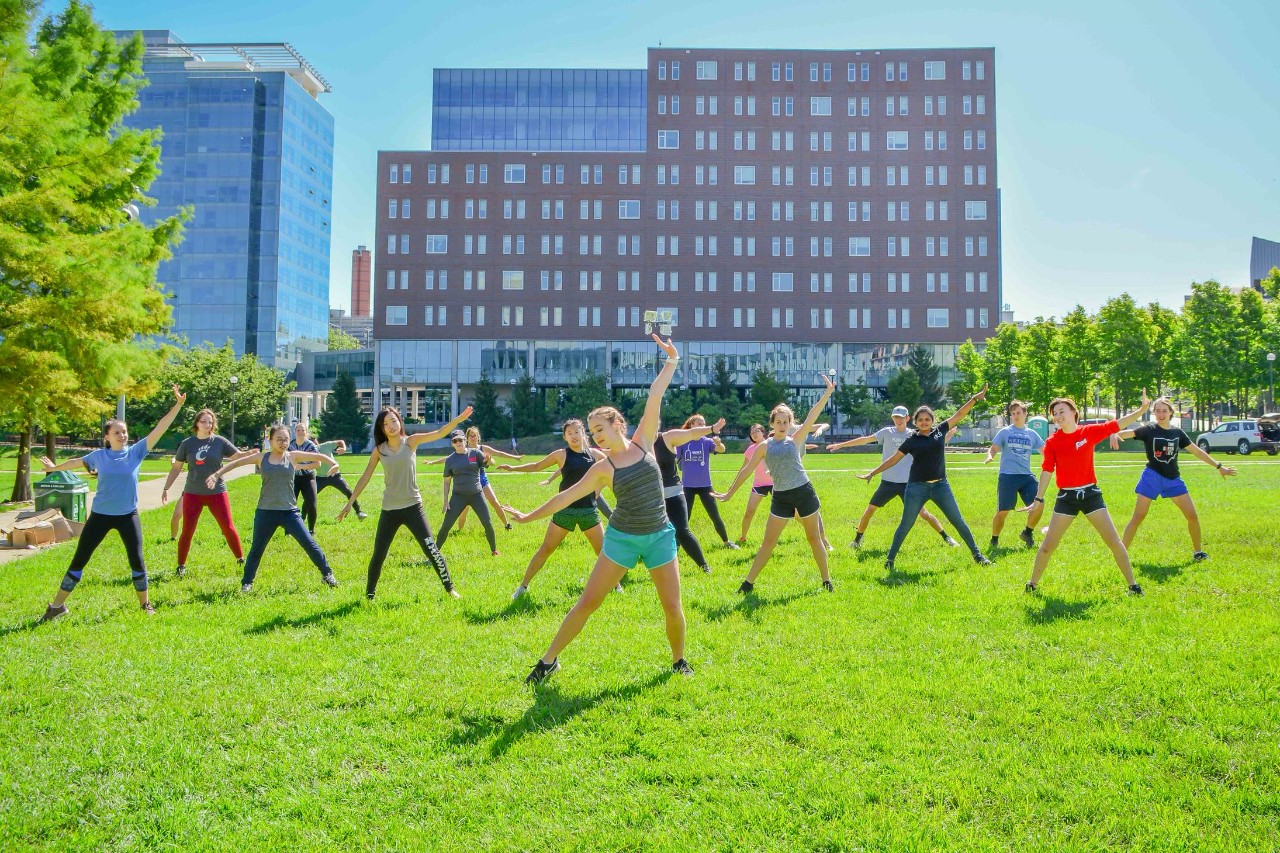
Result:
x=107 y=427
x=379 y=435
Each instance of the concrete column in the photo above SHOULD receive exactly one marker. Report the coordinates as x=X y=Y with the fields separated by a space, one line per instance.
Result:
x=414 y=404
x=454 y=408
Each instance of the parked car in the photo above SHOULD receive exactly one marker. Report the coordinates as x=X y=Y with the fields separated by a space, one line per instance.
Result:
x=1242 y=437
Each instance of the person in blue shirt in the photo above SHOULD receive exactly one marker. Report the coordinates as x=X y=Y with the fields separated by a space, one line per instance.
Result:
x=115 y=506
x=1016 y=480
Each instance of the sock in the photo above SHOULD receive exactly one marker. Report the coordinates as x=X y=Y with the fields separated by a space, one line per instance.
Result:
x=857 y=537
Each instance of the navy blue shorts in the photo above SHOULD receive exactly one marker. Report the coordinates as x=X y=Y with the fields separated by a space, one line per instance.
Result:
x=1010 y=487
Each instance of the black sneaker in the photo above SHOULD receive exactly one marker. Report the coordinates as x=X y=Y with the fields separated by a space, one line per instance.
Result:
x=680 y=667
x=541 y=671
x=1030 y=588
x=181 y=571
x=368 y=596
x=508 y=525
x=828 y=586
x=706 y=569
x=995 y=543
x=888 y=566
x=240 y=562
x=981 y=559
x=857 y=542
x=1135 y=589
x=329 y=579
x=1199 y=556
x=746 y=587
x=1027 y=537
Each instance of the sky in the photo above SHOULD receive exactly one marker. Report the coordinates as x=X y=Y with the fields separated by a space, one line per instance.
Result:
x=1136 y=141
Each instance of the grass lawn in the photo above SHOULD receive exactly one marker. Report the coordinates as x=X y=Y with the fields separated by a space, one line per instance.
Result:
x=952 y=711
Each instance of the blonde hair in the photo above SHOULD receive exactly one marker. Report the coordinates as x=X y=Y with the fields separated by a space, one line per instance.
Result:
x=781 y=407
x=471 y=430
x=610 y=414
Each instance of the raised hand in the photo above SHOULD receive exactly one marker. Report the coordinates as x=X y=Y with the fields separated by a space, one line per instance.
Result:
x=981 y=395
x=466 y=413
x=1145 y=402
x=178 y=395
x=831 y=386
x=667 y=347
x=47 y=463
x=717 y=426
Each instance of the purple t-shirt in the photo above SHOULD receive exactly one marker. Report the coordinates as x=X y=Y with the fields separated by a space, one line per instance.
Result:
x=695 y=463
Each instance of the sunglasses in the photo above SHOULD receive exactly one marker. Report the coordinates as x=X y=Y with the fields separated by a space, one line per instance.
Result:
x=456 y=441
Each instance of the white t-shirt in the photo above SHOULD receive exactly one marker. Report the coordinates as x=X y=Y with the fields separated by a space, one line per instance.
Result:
x=890 y=441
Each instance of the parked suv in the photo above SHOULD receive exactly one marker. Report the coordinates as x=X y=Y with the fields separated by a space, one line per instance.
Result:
x=1242 y=437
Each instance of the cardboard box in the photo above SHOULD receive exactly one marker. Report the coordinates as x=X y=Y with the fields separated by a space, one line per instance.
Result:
x=41 y=528
x=38 y=533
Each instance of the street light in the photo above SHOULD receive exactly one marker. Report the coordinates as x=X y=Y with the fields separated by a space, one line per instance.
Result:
x=1013 y=380
x=1271 y=378
x=234 y=380
x=831 y=372
x=1097 y=393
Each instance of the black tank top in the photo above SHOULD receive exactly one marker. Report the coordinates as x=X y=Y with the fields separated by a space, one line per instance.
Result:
x=666 y=462
x=574 y=469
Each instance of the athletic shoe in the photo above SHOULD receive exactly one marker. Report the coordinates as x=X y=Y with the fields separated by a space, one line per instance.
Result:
x=995 y=543
x=508 y=526
x=497 y=554
x=1027 y=537
x=947 y=540
x=681 y=667
x=830 y=548
x=888 y=566
x=362 y=515
x=520 y=590
x=240 y=562
x=828 y=586
x=246 y=587
x=1199 y=556
x=746 y=587
x=619 y=588
x=368 y=596
x=856 y=544
x=1030 y=588
x=148 y=608
x=330 y=579
x=732 y=546
x=706 y=570
x=1135 y=589
x=54 y=611
x=453 y=593
x=541 y=671
x=981 y=559
x=181 y=571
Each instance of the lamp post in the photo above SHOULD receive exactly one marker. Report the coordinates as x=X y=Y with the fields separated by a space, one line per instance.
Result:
x=512 y=405
x=1097 y=393
x=831 y=372
x=1013 y=380
x=234 y=381
x=1271 y=379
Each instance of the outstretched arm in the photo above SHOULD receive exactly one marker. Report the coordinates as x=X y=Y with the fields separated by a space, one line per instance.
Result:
x=555 y=457
x=676 y=437
x=66 y=465
x=597 y=477
x=493 y=451
x=153 y=437
x=1136 y=413
x=809 y=422
x=992 y=451
x=212 y=480
x=421 y=437
x=748 y=467
x=964 y=410
x=317 y=458
x=374 y=457
x=883 y=466
x=853 y=442
x=647 y=429
x=174 y=470
x=1203 y=456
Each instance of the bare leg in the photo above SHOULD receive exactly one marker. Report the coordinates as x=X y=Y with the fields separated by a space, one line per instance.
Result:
x=772 y=530
x=997 y=523
x=1188 y=507
x=813 y=531
x=866 y=518
x=595 y=535
x=666 y=580
x=1140 y=510
x=753 y=501
x=1058 y=525
x=1101 y=521
x=554 y=536
x=931 y=520
x=493 y=502
x=1033 y=517
x=605 y=575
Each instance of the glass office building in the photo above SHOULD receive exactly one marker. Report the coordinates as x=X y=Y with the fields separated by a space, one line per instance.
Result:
x=538 y=109
x=249 y=148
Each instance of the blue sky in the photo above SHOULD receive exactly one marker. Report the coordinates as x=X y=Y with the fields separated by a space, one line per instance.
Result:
x=1137 y=140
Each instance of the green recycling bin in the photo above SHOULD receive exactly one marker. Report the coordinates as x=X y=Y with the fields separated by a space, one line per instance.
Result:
x=65 y=492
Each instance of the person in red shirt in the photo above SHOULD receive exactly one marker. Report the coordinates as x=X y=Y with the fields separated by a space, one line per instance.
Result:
x=1069 y=453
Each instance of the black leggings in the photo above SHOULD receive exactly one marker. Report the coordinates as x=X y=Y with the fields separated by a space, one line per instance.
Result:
x=678 y=514
x=95 y=530
x=709 y=504
x=389 y=524
x=457 y=503
x=305 y=485
x=336 y=482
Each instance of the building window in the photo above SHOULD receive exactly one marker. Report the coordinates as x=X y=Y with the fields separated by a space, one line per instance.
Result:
x=935 y=70
x=668 y=139
x=513 y=173
x=974 y=210
x=744 y=175
x=513 y=280
x=629 y=209
x=820 y=106
x=397 y=315
x=783 y=282
x=895 y=140
x=705 y=70
x=860 y=247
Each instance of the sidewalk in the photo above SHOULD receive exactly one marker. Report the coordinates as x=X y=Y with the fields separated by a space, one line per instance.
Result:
x=149 y=489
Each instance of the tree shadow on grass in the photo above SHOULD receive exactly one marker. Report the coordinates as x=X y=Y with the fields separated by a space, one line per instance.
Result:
x=550 y=709
x=522 y=606
x=1160 y=573
x=281 y=622
x=1052 y=609
x=748 y=605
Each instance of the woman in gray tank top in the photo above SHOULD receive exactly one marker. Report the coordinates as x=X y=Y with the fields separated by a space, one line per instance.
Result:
x=401 y=502
x=793 y=495
x=638 y=531
x=276 y=506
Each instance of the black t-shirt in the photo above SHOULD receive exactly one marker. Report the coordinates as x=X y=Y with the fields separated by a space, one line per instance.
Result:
x=928 y=454
x=666 y=462
x=1162 y=446
x=307 y=446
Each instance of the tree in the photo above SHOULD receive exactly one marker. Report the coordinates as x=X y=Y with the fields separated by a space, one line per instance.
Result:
x=340 y=340
x=1078 y=357
x=904 y=389
x=1124 y=344
x=205 y=372
x=343 y=416
x=971 y=368
x=591 y=392
x=920 y=360
x=1250 y=373
x=1165 y=324
x=1002 y=353
x=767 y=390
x=721 y=399
x=486 y=414
x=78 y=292
x=528 y=411
x=1271 y=284
x=677 y=406
x=1203 y=361
x=1038 y=364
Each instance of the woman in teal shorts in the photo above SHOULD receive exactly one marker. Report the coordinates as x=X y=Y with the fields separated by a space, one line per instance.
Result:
x=638 y=531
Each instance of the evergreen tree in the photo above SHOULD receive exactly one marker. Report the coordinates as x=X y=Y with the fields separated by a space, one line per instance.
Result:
x=904 y=389
x=527 y=410
x=591 y=392
x=78 y=292
x=920 y=360
x=857 y=405
x=343 y=416
x=722 y=379
x=767 y=390
x=486 y=413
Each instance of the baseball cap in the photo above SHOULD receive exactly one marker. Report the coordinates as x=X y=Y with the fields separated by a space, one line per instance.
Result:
x=457 y=433
x=900 y=412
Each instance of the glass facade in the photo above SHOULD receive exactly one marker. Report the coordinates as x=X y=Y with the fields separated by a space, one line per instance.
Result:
x=252 y=153
x=544 y=109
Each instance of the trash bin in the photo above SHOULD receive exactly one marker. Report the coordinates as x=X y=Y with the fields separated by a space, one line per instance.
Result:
x=65 y=492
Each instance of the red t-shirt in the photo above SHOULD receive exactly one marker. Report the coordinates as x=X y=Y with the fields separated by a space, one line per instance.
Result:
x=1071 y=454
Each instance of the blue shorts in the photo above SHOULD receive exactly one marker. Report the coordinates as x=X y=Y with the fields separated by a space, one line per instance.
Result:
x=1154 y=485
x=484 y=479
x=653 y=549
x=1010 y=487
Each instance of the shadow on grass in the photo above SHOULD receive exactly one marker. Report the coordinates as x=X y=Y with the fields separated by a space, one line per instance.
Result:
x=281 y=622
x=21 y=627
x=897 y=577
x=550 y=709
x=522 y=606
x=747 y=605
x=1160 y=573
x=1051 y=609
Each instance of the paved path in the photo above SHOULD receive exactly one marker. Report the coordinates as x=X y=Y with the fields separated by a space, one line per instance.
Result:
x=149 y=489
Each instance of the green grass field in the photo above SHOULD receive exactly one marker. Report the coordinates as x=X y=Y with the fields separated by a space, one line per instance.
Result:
x=952 y=711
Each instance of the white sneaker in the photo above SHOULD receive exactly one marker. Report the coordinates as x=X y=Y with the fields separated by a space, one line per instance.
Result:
x=619 y=588
x=520 y=590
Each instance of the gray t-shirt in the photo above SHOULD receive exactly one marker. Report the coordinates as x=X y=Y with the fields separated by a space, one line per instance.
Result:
x=783 y=461
x=203 y=456
x=277 y=483
x=399 y=477
x=1016 y=446
x=890 y=440
x=464 y=468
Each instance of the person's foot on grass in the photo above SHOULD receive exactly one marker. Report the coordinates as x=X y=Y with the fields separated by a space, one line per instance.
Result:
x=746 y=587
x=981 y=558
x=1199 y=556
x=148 y=608
x=1030 y=588
x=732 y=546
x=54 y=611
x=995 y=543
x=541 y=671
x=520 y=590
x=1135 y=589
x=681 y=667
x=330 y=580
x=1027 y=537
x=181 y=571
x=706 y=570
x=246 y=587
x=828 y=586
